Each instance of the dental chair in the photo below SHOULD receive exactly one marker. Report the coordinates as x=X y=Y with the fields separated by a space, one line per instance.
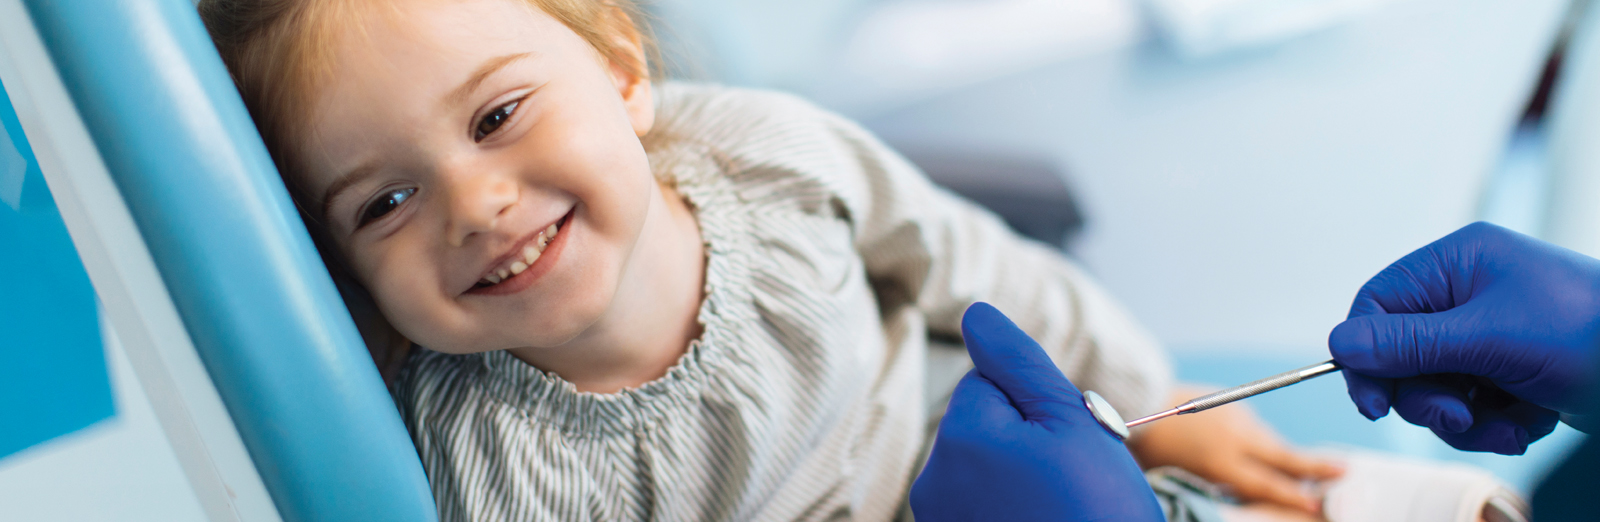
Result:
x=164 y=305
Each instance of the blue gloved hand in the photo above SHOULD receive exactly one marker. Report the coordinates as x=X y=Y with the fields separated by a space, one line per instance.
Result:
x=1478 y=336
x=1017 y=443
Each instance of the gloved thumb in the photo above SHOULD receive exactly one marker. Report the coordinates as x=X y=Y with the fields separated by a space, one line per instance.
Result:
x=1006 y=356
x=1396 y=346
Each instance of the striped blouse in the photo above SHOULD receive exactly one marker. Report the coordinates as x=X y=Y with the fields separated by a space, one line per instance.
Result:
x=830 y=262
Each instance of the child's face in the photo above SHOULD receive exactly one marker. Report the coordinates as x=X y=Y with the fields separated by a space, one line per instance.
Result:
x=449 y=136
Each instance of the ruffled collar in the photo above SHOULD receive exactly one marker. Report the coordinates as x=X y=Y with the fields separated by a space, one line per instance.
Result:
x=724 y=228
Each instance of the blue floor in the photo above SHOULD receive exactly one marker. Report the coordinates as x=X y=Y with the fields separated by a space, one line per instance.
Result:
x=1319 y=413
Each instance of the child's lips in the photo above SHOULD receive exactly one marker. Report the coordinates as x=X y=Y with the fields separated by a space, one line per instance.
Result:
x=518 y=268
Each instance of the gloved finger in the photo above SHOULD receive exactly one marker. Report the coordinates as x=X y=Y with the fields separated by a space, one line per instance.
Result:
x=1504 y=431
x=1006 y=356
x=1427 y=280
x=1257 y=482
x=1433 y=401
x=1537 y=420
x=1401 y=345
x=1370 y=394
x=1492 y=432
x=1289 y=462
x=1365 y=303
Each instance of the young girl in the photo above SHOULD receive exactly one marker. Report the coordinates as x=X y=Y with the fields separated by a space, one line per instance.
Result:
x=643 y=301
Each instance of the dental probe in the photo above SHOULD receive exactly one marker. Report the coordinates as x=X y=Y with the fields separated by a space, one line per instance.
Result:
x=1109 y=417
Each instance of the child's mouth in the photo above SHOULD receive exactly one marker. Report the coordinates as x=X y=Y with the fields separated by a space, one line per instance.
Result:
x=530 y=254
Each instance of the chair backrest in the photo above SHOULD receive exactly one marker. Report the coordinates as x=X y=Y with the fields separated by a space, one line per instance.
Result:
x=243 y=276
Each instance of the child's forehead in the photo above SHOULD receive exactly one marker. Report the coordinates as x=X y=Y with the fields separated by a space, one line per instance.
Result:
x=445 y=25
x=394 y=72
x=430 y=45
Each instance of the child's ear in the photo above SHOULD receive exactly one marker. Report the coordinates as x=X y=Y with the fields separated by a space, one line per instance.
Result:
x=633 y=83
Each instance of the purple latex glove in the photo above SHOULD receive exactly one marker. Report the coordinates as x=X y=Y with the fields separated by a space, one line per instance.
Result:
x=1482 y=336
x=1017 y=443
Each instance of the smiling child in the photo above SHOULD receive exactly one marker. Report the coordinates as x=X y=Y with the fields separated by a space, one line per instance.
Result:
x=636 y=300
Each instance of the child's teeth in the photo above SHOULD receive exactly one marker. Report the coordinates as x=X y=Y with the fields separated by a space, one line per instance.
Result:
x=530 y=253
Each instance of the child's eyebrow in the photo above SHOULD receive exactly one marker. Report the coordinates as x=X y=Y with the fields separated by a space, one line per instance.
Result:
x=489 y=67
x=359 y=173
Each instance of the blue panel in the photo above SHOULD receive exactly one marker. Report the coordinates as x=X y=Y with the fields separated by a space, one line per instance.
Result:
x=54 y=378
x=251 y=289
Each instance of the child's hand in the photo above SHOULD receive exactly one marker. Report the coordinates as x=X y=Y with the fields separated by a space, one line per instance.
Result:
x=1231 y=447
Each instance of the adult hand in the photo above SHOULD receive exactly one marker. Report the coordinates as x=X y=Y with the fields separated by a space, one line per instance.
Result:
x=1018 y=444
x=1481 y=336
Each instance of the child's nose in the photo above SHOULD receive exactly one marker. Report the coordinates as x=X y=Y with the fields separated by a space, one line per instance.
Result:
x=476 y=204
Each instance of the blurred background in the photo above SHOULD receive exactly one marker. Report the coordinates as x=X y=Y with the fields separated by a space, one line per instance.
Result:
x=1233 y=170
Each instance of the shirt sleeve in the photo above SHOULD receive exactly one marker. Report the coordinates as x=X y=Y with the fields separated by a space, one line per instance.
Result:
x=922 y=244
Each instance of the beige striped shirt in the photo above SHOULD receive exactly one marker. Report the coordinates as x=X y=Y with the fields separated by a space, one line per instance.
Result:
x=830 y=262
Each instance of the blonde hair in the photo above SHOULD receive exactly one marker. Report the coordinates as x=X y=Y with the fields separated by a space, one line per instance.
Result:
x=279 y=52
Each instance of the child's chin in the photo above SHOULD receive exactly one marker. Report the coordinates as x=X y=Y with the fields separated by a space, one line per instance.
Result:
x=569 y=320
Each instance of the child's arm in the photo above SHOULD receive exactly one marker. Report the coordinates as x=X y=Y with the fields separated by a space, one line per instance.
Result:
x=923 y=244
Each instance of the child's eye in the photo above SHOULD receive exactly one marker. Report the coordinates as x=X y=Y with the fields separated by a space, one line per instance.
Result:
x=494 y=120
x=385 y=203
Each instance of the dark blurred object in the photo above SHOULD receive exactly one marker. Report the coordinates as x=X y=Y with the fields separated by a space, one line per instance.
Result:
x=1539 y=102
x=1030 y=193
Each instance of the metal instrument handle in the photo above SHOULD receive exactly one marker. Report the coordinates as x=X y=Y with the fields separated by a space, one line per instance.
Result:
x=1206 y=402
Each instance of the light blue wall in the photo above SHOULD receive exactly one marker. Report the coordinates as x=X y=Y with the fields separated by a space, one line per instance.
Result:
x=78 y=437
x=53 y=381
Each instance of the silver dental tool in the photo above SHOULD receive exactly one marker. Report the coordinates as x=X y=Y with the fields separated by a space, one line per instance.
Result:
x=1109 y=417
